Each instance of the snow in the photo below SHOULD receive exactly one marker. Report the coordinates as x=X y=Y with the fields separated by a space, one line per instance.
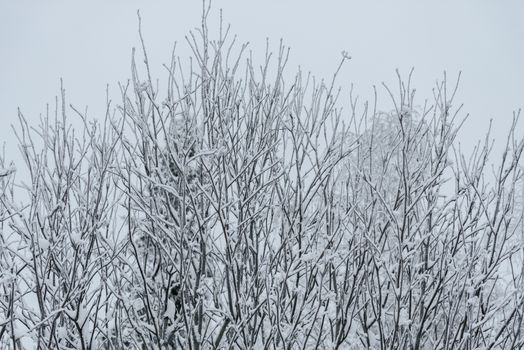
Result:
x=170 y=310
x=43 y=243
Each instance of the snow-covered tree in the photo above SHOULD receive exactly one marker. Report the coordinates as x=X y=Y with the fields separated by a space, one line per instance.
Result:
x=243 y=209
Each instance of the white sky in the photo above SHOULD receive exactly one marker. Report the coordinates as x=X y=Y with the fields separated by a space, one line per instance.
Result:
x=89 y=45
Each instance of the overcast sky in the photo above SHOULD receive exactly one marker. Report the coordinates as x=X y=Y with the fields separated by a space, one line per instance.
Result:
x=89 y=45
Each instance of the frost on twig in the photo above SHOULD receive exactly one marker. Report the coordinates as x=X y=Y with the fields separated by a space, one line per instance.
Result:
x=240 y=209
x=7 y=171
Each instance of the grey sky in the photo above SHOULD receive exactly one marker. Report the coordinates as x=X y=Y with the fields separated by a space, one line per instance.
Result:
x=89 y=45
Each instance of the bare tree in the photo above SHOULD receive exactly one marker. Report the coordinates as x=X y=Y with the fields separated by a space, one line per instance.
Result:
x=243 y=209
